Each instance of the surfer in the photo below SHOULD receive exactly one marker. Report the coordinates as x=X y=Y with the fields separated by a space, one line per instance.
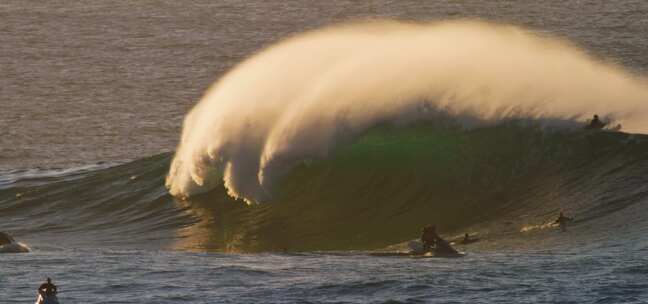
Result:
x=562 y=221
x=432 y=241
x=6 y=239
x=466 y=238
x=429 y=237
x=47 y=293
x=9 y=245
x=595 y=123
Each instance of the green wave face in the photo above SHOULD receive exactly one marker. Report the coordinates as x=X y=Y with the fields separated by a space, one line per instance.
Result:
x=505 y=182
x=384 y=187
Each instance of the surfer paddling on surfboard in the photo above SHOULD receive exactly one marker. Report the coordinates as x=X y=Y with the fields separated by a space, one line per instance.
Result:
x=6 y=239
x=431 y=245
x=433 y=242
x=9 y=245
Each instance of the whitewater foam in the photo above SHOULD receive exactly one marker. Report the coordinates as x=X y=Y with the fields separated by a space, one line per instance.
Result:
x=307 y=95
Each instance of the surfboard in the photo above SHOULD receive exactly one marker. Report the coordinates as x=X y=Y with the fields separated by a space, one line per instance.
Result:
x=458 y=254
x=14 y=248
x=52 y=299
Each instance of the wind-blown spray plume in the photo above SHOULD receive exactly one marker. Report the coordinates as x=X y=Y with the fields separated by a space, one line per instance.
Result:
x=302 y=97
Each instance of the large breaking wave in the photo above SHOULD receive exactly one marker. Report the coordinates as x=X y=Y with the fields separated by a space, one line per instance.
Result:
x=501 y=181
x=302 y=98
x=498 y=181
x=359 y=135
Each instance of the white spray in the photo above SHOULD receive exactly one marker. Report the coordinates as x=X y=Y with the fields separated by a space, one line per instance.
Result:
x=301 y=97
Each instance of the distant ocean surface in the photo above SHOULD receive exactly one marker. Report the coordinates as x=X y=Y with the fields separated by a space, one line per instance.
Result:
x=92 y=101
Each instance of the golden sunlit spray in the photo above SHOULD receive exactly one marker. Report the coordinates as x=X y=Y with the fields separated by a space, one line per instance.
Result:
x=298 y=99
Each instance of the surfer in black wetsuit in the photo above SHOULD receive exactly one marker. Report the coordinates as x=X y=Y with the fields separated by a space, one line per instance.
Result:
x=562 y=221
x=5 y=239
x=431 y=240
x=47 y=289
x=468 y=239
x=595 y=123
x=429 y=237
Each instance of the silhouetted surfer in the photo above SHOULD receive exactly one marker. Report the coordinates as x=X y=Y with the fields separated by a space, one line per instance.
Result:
x=562 y=220
x=5 y=239
x=467 y=239
x=431 y=240
x=47 y=292
x=595 y=123
x=9 y=245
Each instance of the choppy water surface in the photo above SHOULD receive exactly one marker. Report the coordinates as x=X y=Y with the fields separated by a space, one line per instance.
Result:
x=92 y=99
x=114 y=276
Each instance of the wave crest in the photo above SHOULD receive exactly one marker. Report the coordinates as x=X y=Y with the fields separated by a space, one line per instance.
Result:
x=305 y=96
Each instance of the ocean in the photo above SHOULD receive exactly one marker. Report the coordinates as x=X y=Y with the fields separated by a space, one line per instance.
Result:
x=261 y=152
